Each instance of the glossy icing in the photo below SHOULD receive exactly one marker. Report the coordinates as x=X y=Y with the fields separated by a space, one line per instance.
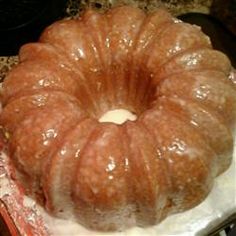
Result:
x=113 y=176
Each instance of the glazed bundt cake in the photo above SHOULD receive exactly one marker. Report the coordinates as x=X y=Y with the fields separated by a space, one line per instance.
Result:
x=111 y=176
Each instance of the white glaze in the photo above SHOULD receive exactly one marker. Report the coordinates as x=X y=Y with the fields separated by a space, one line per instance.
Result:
x=118 y=116
x=197 y=221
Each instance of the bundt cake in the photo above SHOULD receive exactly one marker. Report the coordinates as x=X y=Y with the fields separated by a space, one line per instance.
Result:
x=111 y=176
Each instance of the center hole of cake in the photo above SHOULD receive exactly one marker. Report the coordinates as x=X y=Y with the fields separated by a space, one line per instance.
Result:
x=118 y=116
